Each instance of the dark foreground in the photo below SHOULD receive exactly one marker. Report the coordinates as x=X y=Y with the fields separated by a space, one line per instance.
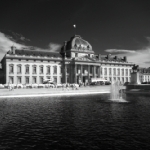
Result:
x=74 y=122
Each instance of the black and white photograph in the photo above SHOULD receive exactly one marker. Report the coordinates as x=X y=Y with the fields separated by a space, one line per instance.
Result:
x=74 y=74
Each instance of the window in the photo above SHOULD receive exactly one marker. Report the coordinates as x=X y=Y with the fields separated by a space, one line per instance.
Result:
x=101 y=70
x=114 y=71
x=91 y=68
x=11 y=69
x=19 y=69
x=55 y=79
x=27 y=69
x=11 y=80
x=67 y=69
x=109 y=71
x=34 y=80
x=48 y=69
x=76 y=54
x=19 y=80
x=55 y=69
x=118 y=71
x=105 y=71
x=127 y=79
x=97 y=70
x=122 y=72
x=27 y=80
x=78 y=69
x=34 y=69
x=48 y=77
x=41 y=69
x=126 y=72
x=41 y=80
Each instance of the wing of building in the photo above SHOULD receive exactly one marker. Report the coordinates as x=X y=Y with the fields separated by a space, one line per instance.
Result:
x=76 y=62
x=144 y=74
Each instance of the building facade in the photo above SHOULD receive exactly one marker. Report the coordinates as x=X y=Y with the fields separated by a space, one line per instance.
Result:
x=144 y=74
x=76 y=62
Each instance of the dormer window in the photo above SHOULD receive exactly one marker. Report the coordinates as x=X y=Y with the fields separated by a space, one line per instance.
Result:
x=75 y=46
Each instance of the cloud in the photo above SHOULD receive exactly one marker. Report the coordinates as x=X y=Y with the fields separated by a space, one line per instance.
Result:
x=54 y=47
x=119 y=51
x=139 y=57
x=6 y=42
x=19 y=37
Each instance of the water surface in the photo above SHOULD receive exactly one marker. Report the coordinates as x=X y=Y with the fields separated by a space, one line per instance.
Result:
x=74 y=122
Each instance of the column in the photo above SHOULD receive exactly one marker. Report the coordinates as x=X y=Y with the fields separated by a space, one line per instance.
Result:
x=75 y=73
x=64 y=74
x=89 y=73
x=81 y=73
x=94 y=70
x=38 y=74
x=99 y=69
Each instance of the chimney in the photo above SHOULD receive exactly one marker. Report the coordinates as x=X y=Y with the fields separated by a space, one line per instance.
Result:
x=108 y=56
x=125 y=58
x=116 y=57
x=99 y=56
x=13 y=49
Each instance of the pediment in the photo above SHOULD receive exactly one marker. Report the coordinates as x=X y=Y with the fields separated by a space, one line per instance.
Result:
x=85 y=58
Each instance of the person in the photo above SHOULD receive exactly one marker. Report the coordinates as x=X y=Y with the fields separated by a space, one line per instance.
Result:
x=67 y=86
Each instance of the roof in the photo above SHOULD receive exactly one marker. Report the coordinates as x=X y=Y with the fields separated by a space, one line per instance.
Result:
x=36 y=53
x=77 y=42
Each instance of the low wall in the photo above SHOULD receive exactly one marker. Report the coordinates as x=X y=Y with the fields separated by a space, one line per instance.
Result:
x=138 y=86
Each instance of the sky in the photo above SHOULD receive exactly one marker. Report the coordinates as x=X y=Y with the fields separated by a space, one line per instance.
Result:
x=117 y=27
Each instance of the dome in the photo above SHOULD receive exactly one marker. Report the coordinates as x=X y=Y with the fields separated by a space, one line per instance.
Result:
x=78 y=43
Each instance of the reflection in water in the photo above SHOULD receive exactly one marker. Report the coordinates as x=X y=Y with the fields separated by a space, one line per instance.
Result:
x=79 y=122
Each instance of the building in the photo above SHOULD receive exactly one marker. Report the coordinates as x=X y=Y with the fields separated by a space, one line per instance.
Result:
x=31 y=66
x=76 y=62
x=144 y=74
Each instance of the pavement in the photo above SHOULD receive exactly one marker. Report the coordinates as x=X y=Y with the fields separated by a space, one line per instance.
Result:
x=53 y=91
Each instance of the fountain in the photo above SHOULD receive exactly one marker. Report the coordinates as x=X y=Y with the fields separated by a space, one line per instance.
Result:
x=116 y=93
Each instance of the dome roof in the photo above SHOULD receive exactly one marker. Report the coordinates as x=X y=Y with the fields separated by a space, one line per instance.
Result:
x=78 y=43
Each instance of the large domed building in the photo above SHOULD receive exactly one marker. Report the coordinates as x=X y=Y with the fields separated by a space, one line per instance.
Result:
x=75 y=63
x=81 y=64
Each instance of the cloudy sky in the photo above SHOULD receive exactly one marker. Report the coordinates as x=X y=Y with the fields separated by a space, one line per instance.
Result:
x=119 y=27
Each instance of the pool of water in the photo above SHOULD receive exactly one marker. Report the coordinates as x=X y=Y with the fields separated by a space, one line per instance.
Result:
x=74 y=122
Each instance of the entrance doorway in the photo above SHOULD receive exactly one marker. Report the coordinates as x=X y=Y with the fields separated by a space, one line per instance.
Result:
x=85 y=80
